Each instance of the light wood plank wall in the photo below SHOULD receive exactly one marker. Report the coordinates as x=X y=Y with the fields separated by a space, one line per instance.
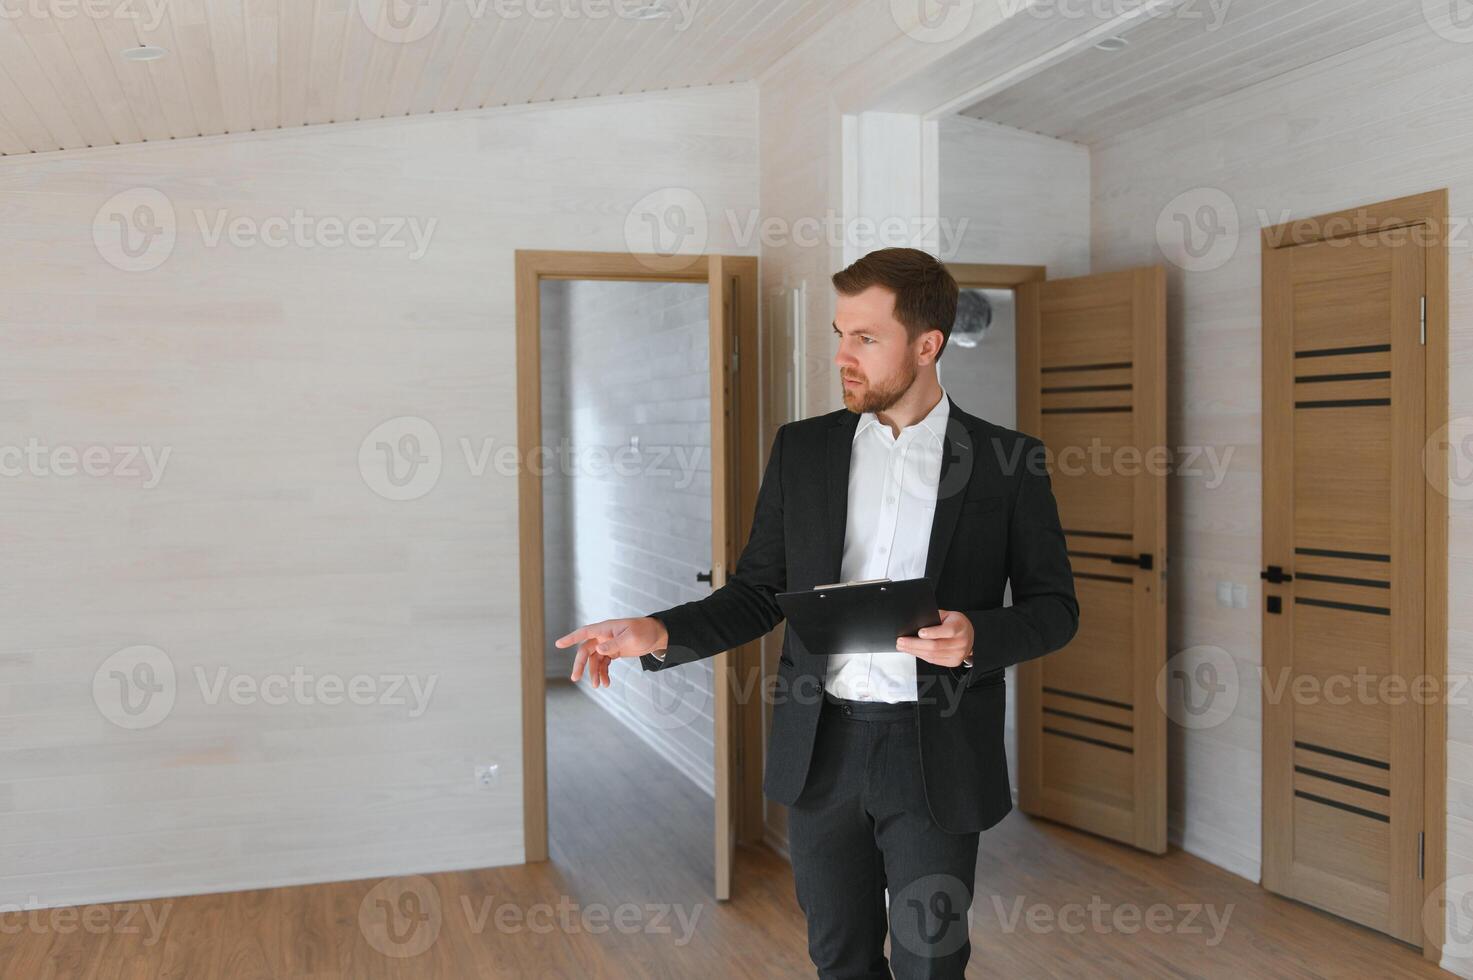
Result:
x=1386 y=120
x=262 y=549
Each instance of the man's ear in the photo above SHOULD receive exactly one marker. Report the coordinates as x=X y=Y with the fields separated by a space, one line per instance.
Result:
x=931 y=344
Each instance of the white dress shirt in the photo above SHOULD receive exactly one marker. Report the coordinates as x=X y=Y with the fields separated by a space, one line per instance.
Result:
x=892 y=498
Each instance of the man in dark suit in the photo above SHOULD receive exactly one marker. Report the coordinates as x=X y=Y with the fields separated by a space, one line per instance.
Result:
x=891 y=762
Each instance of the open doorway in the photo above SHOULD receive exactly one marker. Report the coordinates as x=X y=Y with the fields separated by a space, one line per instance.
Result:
x=980 y=368
x=626 y=507
x=638 y=426
x=626 y=497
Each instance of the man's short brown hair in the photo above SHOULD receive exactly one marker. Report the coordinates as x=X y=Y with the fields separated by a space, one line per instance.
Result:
x=925 y=293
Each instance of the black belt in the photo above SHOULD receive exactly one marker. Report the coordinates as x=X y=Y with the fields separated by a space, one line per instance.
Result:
x=871 y=710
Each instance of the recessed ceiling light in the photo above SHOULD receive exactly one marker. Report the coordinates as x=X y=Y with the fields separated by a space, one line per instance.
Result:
x=144 y=52
x=1113 y=43
x=651 y=11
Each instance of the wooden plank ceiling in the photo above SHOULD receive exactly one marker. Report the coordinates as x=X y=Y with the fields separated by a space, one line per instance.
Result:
x=1189 y=55
x=239 y=65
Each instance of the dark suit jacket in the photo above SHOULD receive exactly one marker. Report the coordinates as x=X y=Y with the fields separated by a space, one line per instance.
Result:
x=995 y=521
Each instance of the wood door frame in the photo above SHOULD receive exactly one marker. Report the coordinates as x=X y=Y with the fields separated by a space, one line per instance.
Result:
x=533 y=266
x=990 y=275
x=1430 y=210
x=987 y=275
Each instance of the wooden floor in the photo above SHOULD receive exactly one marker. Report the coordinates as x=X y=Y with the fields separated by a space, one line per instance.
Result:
x=631 y=858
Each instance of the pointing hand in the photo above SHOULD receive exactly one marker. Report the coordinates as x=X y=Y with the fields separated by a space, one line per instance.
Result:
x=599 y=644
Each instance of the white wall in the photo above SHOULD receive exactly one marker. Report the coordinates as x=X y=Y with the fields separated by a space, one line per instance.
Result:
x=1381 y=122
x=1012 y=197
x=262 y=549
x=625 y=533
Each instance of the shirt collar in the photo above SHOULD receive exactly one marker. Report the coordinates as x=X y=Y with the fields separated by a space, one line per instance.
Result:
x=934 y=422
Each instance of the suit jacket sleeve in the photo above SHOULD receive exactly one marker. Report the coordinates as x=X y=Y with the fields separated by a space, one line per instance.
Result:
x=744 y=608
x=1044 y=615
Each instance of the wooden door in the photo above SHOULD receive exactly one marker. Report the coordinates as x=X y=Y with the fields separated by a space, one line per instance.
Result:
x=1092 y=386
x=735 y=469
x=1344 y=379
x=733 y=319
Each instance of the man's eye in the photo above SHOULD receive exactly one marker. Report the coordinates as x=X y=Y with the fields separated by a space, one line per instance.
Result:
x=868 y=340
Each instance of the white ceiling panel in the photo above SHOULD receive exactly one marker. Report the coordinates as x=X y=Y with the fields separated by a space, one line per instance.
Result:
x=1198 y=51
x=239 y=65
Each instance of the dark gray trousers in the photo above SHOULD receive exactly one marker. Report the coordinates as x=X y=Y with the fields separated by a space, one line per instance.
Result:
x=862 y=826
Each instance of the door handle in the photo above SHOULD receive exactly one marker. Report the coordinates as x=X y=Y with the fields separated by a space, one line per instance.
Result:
x=1275 y=575
x=1143 y=562
x=704 y=576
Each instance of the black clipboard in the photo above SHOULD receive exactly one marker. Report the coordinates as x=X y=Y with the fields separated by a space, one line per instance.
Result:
x=859 y=617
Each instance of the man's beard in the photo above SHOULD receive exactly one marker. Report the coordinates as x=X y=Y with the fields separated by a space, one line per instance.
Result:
x=878 y=396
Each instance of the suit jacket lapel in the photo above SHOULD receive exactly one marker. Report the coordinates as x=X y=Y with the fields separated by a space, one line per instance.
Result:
x=836 y=516
x=957 y=460
x=958 y=456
